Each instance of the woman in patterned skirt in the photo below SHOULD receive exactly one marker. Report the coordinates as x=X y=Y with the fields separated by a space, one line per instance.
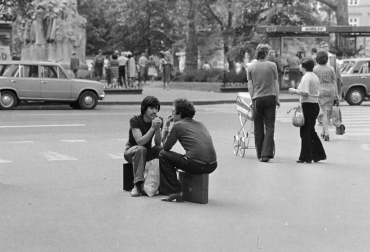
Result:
x=328 y=89
x=113 y=69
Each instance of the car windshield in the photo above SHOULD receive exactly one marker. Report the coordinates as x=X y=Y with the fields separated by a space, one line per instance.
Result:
x=346 y=67
x=4 y=69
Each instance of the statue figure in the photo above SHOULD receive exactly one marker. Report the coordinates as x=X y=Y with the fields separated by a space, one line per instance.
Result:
x=48 y=22
x=52 y=31
x=38 y=25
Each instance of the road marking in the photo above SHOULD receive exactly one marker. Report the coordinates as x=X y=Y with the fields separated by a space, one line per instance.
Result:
x=121 y=140
x=92 y=114
x=43 y=126
x=5 y=161
x=119 y=156
x=19 y=142
x=53 y=156
x=74 y=141
x=366 y=147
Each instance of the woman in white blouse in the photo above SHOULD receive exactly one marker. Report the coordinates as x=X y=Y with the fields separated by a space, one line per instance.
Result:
x=311 y=146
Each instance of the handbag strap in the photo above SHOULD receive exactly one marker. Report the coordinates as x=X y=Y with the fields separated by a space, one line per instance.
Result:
x=299 y=106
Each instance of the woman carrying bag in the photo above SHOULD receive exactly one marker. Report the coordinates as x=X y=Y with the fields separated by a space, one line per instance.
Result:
x=308 y=89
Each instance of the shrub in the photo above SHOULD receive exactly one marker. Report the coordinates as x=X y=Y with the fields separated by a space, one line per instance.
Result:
x=200 y=75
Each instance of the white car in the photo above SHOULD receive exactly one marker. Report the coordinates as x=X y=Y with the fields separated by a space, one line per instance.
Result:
x=46 y=82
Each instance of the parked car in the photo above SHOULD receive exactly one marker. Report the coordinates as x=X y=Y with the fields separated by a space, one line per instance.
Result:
x=45 y=82
x=356 y=79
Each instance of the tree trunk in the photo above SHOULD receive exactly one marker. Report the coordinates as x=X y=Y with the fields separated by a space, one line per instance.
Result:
x=340 y=7
x=342 y=12
x=191 y=61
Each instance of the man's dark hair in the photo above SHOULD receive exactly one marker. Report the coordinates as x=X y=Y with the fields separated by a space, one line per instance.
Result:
x=322 y=58
x=313 y=50
x=261 y=51
x=149 y=101
x=114 y=56
x=308 y=64
x=184 y=108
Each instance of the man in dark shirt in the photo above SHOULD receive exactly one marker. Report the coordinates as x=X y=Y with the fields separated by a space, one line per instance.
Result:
x=75 y=64
x=139 y=148
x=200 y=157
x=15 y=56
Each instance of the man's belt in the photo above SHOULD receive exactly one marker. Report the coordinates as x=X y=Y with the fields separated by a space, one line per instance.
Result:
x=201 y=162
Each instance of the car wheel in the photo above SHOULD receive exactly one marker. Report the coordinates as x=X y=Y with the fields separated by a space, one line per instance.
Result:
x=355 y=96
x=8 y=100
x=88 y=100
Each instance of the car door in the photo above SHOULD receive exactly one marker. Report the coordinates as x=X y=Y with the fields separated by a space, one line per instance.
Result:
x=25 y=79
x=5 y=70
x=55 y=85
x=364 y=74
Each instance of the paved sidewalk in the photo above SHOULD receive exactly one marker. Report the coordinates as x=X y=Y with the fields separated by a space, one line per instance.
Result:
x=166 y=97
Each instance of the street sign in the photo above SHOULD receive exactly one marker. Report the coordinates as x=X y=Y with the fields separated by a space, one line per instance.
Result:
x=313 y=29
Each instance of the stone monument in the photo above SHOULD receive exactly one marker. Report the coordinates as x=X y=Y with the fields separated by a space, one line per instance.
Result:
x=51 y=32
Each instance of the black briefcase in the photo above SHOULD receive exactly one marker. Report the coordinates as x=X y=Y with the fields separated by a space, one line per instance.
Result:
x=194 y=187
x=128 y=177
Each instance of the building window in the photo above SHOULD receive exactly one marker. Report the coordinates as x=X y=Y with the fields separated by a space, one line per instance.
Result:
x=353 y=21
x=353 y=2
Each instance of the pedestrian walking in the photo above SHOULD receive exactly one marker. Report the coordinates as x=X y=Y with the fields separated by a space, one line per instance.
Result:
x=294 y=73
x=333 y=62
x=263 y=87
x=152 y=72
x=99 y=64
x=15 y=56
x=328 y=89
x=113 y=69
x=166 y=67
x=131 y=70
x=75 y=64
x=309 y=89
x=143 y=61
x=122 y=61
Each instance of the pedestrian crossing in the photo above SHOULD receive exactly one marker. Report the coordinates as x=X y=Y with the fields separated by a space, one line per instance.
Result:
x=61 y=150
x=356 y=119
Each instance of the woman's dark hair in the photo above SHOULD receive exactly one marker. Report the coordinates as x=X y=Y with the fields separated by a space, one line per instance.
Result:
x=114 y=56
x=149 y=101
x=184 y=108
x=322 y=58
x=308 y=64
x=262 y=51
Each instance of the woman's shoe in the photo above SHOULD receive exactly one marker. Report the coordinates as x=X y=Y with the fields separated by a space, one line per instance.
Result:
x=322 y=134
x=326 y=138
x=301 y=161
x=320 y=159
x=172 y=197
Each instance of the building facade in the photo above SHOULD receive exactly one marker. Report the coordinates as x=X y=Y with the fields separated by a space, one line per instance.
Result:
x=359 y=12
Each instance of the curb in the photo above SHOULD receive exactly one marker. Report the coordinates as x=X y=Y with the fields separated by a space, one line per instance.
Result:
x=169 y=103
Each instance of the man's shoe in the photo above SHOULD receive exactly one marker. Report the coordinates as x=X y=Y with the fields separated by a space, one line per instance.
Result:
x=135 y=192
x=301 y=161
x=172 y=197
x=317 y=160
x=265 y=159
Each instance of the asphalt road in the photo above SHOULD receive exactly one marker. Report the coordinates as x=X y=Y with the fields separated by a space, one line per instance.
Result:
x=61 y=188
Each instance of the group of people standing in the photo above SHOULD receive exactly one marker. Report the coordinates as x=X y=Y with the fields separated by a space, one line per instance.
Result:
x=319 y=89
x=122 y=70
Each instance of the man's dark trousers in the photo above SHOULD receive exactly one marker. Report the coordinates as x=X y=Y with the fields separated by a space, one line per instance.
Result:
x=169 y=161
x=264 y=125
x=122 y=75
